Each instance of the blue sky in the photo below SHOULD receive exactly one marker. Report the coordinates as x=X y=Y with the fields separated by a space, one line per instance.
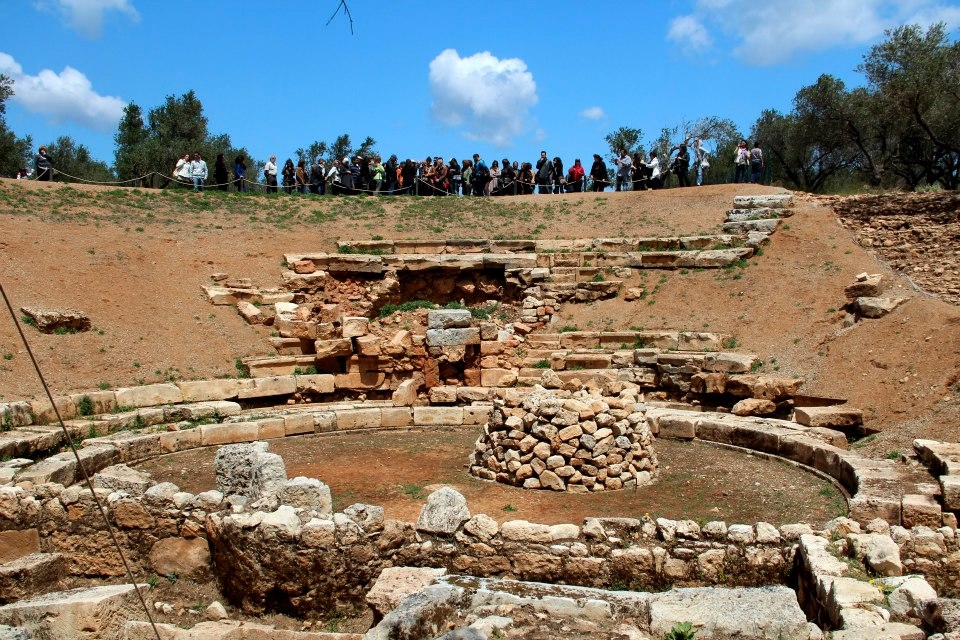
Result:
x=450 y=78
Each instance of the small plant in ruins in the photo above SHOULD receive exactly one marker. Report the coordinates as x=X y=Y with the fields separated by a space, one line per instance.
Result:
x=681 y=631
x=541 y=364
x=85 y=406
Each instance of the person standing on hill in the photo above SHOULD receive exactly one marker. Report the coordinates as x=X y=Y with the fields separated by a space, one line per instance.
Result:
x=44 y=166
x=198 y=172
x=220 y=173
x=270 y=174
x=681 y=165
x=741 y=159
x=598 y=173
x=700 y=161
x=756 y=163
x=624 y=163
x=239 y=172
x=544 y=174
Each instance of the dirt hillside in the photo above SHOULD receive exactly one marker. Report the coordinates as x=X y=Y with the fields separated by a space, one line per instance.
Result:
x=134 y=262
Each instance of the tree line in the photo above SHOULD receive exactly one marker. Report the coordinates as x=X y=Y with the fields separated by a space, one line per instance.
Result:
x=901 y=129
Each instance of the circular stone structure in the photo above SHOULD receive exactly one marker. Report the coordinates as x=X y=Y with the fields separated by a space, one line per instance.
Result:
x=566 y=441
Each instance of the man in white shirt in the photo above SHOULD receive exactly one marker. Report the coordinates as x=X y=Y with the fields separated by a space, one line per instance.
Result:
x=624 y=162
x=198 y=172
x=270 y=174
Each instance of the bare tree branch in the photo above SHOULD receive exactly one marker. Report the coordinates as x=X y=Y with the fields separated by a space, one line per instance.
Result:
x=346 y=11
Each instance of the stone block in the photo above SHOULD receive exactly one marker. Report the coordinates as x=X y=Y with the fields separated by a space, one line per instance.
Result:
x=359 y=419
x=359 y=380
x=324 y=421
x=453 y=337
x=172 y=441
x=185 y=558
x=31 y=574
x=676 y=426
x=728 y=362
x=298 y=424
x=228 y=433
x=271 y=428
x=333 y=348
x=920 y=510
x=315 y=383
x=443 y=394
x=699 y=341
x=396 y=583
x=93 y=612
x=869 y=286
x=17 y=543
x=840 y=417
x=406 y=392
x=774 y=201
x=870 y=307
x=267 y=386
x=97 y=402
x=438 y=416
x=950 y=489
x=353 y=326
x=368 y=346
x=498 y=377
x=149 y=395
x=477 y=414
x=580 y=340
x=448 y=318
x=396 y=416
x=201 y=390
x=657 y=340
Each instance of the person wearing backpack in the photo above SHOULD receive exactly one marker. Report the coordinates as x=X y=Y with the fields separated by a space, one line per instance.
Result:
x=756 y=163
x=741 y=160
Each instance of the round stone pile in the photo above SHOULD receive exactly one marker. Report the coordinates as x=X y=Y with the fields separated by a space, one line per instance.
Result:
x=579 y=443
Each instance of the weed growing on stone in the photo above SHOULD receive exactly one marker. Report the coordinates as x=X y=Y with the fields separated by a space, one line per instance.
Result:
x=509 y=508
x=85 y=406
x=542 y=364
x=681 y=631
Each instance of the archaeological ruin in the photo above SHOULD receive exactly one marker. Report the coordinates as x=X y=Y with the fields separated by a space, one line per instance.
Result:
x=553 y=410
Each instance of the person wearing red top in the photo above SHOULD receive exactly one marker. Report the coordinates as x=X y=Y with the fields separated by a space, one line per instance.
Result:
x=575 y=177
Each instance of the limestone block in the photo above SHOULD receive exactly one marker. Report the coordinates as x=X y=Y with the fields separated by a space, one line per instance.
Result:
x=201 y=390
x=444 y=512
x=443 y=394
x=333 y=348
x=406 y=393
x=368 y=345
x=766 y=225
x=677 y=426
x=267 y=386
x=866 y=285
x=120 y=477
x=228 y=433
x=17 y=543
x=920 y=510
x=905 y=599
x=728 y=362
x=298 y=424
x=31 y=574
x=315 y=383
x=448 y=318
x=301 y=329
x=950 y=488
x=476 y=414
x=657 y=340
x=396 y=416
x=271 y=428
x=250 y=312
x=149 y=395
x=93 y=612
x=764 y=612
x=498 y=377
x=359 y=380
x=835 y=417
x=184 y=557
x=474 y=394
x=369 y=418
x=580 y=340
x=354 y=326
x=453 y=337
x=759 y=386
x=775 y=201
x=753 y=407
x=308 y=493
x=527 y=532
x=396 y=583
x=172 y=441
x=697 y=341
x=438 y=416
x=870 y=307
x=849 y=592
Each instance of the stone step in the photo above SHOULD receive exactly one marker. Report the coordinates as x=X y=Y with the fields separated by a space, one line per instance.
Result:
x=31 y=575
x=766 y=200
x=761 y=213
x=743 y=227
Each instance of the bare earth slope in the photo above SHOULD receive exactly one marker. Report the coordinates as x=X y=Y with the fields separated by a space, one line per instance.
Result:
x=134 y=262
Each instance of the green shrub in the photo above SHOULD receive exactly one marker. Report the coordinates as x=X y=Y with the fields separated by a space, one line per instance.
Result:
x=410 y=305
x=85 y=406
x=542 y=364
x=681 y=631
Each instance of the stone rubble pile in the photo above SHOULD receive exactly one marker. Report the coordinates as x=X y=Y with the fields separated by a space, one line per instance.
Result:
x=566 y=442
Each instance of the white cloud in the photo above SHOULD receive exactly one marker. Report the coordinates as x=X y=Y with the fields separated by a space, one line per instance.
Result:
x=773 y=31
x=487 y=96
x=689 y=33
x=63 y=96
x=593 y=113
x=86 y=16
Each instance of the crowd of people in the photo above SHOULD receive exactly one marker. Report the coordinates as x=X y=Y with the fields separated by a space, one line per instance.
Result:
x=434 y=176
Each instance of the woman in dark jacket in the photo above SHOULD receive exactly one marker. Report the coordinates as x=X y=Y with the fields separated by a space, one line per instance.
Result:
x=409 y=173
x=558 y=175
x=289 y=176
x=220 y=173
x=598 y=173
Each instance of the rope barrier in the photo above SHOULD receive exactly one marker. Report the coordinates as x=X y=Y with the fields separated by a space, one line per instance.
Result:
x=83 y=471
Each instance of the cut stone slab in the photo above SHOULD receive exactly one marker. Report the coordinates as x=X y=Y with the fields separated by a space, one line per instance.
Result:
x=768 y=613
x=775 y=201
x=869 y=286
x=869 y=307
x=395 y=584
x=120 y=477
x=921 y=510
x=96 y=612
x=950 y=488
x=52 y=320
x=32 y=574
